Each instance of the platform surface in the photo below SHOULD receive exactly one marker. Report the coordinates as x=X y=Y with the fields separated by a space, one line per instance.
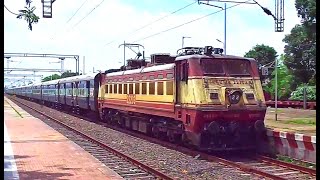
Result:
x=33 y=150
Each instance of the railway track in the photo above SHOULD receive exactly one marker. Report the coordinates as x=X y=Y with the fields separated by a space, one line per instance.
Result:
x=122 y=164
x=273 y=168
x=257 y=164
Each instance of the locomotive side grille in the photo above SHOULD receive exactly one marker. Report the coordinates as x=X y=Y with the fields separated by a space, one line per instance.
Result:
x=250 y=96
x=214 y=96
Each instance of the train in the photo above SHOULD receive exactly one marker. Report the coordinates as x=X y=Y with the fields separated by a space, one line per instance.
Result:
x=199 y=97
x=286 y=103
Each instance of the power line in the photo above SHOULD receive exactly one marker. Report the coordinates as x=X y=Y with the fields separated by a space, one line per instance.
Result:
x=71 y=17
x=88 y=14
x=185 y=23
x=10 y=11
x=156 y=21
x=76 y=11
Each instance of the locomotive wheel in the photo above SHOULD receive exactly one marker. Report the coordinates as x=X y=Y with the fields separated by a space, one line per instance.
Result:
x=172 y=137
x=155 y=132
x=118 y=120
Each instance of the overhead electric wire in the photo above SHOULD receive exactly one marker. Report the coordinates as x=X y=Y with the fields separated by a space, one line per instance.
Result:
x=76 y=11
x=156 y=20
x=88 y=14
x=186 y=23
x=71 y=17
x=10 y=11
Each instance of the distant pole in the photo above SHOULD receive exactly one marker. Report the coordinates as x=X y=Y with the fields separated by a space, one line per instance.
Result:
x=183 y=37
x=225 y=29
x=124 y=53
x=84 y=65
x=304 y=96
x=181 y=46
x=276 y=91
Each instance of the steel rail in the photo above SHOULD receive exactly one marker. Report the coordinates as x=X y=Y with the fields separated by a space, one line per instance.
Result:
x=287 y=165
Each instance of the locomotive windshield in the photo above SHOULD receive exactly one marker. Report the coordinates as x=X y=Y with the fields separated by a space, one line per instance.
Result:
x=223 y=67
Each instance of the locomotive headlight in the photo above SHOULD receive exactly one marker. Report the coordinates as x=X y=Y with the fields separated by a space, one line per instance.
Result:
x=234 y=97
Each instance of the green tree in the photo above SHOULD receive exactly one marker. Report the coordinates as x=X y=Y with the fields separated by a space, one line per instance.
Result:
x=51 y=77
x=306 y=11
x=285 y=80
x=298 y=93
x=264 y=55
x=27 y=14
x=300 y=48
x=300 y=54
x=68 y=74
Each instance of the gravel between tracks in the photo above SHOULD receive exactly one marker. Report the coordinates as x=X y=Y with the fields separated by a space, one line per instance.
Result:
x=171 y=162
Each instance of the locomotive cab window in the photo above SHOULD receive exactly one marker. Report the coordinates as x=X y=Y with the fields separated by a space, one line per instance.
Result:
x=238 y=67
x=212 y=66
x=184 y=72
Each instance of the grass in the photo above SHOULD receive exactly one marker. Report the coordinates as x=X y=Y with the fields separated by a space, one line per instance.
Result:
x=295 y=161
x=305 y=121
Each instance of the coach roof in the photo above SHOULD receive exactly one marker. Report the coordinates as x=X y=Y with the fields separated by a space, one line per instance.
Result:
x=79 y=78
x=143 y=70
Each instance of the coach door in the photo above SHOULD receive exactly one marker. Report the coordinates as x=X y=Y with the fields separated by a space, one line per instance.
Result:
x=181 y=80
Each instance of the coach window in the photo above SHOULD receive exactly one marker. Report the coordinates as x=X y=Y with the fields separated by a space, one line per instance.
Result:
x=130 y=88
x=169 y=85
x=151 y=77
x=160 y=88
x=125 y=89
x=160 y=76
x=151 y=88
x=144 y=88
x=169 y=76
x=110 y=88
x=137 y=88
x=120 y=88
x=115 y=89
x=106 y=88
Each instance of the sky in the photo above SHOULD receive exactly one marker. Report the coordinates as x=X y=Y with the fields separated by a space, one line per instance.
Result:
x=97 y=36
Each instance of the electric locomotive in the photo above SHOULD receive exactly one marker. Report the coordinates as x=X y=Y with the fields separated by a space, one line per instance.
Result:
x=200 y=97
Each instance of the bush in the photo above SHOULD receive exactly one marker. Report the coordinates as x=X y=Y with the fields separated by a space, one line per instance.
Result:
x=298 y=93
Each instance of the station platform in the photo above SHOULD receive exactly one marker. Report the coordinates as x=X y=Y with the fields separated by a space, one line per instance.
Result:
x=33 y=150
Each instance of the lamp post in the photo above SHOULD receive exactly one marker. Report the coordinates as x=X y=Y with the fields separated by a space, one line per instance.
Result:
x=276 y=91
x=223 y=45
x=225 y=29
x=183 y=37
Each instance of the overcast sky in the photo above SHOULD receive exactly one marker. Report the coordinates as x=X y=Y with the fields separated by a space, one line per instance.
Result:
x=116 y=21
